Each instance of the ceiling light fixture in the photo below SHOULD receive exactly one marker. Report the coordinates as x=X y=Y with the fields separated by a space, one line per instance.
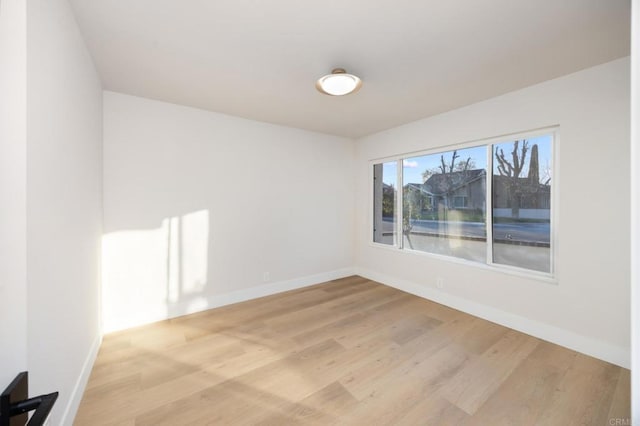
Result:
x=338 y=83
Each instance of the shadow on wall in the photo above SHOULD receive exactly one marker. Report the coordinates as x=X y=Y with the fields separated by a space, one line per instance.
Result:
x=150 y=275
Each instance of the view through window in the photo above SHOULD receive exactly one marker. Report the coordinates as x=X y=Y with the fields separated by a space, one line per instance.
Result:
x=385 y=176
x=522 y=203
x=448 y=207
x=444 y=203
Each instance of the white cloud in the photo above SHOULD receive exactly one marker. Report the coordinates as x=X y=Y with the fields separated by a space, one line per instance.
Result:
x=410 y=164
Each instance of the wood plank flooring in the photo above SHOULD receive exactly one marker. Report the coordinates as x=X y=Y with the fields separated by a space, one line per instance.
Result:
x=346 y=352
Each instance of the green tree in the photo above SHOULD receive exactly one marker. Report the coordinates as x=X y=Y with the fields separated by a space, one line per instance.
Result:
x=388 y=201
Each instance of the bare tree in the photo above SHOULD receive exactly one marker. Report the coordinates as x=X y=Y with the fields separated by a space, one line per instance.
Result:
x=512 y=168
x=443 y=165
x=452 y=166
x=463 y=166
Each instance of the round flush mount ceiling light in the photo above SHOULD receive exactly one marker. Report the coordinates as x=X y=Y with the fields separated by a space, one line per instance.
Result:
x=338 y=83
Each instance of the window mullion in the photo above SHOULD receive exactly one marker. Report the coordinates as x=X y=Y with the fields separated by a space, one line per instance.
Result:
x=399 y=205
x=489 y=204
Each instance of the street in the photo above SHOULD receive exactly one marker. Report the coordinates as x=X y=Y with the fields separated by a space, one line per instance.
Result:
x=526 y=232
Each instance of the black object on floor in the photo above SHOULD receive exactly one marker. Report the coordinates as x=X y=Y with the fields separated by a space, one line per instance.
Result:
x=15 y=404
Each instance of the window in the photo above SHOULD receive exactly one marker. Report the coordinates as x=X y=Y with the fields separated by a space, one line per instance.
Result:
x=385 y=176
x=444 y=198
x=459 y=201
x=449 y=207
x=522 y=203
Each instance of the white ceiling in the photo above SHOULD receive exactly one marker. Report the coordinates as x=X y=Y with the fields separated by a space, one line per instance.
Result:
x=260 y=59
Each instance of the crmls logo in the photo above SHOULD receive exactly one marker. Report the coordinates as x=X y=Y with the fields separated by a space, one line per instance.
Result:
x=620 y=422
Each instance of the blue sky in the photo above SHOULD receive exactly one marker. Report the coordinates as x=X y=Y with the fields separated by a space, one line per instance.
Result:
x=413 y=167
x=544 y=153
x=390 y=173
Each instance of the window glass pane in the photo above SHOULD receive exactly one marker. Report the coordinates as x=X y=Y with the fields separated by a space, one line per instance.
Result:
x=522 y=203
x=385 y=176
x=444 y=203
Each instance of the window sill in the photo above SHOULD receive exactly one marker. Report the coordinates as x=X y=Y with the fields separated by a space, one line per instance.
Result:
x=504 y=269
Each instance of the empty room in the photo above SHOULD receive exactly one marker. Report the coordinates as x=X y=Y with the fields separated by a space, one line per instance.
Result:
x=304 y=213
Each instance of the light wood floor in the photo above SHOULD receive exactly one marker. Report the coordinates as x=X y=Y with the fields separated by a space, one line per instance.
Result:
x=349 y=351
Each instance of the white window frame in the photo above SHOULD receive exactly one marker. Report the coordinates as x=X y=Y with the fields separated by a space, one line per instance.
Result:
x=398 y=245
x=397 y=240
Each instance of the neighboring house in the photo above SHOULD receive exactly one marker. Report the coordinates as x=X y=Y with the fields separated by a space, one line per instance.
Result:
x=457 y=190
x=466 y=190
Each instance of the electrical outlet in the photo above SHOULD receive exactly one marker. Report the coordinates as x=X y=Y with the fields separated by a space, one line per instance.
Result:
x=265 y=277
x=440 y=283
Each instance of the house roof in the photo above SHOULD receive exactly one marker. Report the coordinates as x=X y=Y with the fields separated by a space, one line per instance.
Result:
x=440 y=184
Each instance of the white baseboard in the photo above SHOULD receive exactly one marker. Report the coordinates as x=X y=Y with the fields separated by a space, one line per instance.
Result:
x=596 y=348
x=269 y=289
x=78 y=390
x=217 y=300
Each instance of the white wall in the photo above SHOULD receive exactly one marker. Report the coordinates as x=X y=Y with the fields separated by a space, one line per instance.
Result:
x=199 y=205
x=64 y=205
x=588 y=309
x=13 y=147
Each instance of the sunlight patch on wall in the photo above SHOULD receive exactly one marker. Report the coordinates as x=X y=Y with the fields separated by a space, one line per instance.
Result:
x=150 y=275
x=192 y=261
